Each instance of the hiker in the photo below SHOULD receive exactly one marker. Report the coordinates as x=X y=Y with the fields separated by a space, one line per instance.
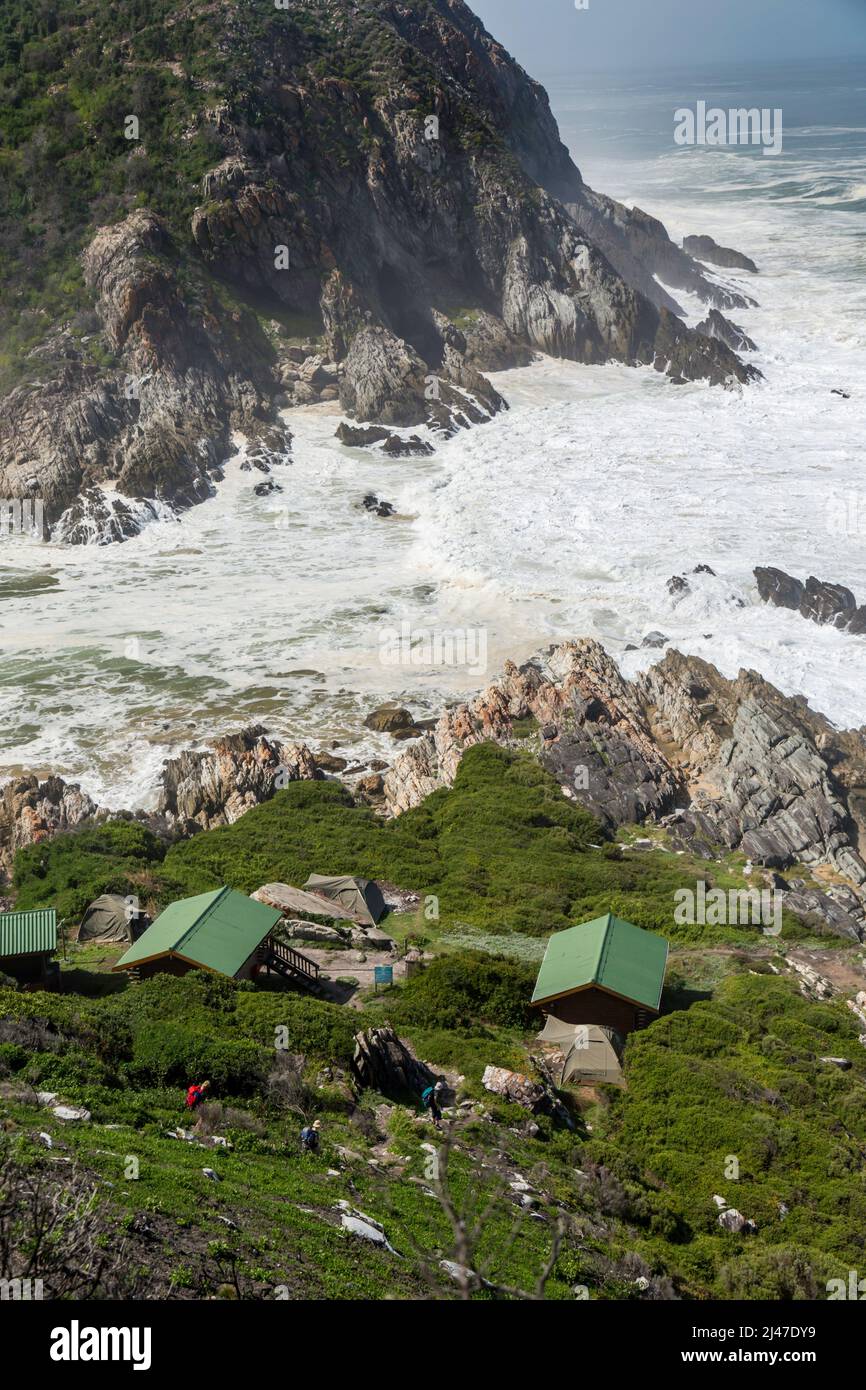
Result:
x=431 y=1098
x=196 y=1093
x=310 y=1137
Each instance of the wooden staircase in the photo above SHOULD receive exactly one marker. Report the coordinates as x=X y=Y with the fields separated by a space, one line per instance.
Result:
x=300 y=970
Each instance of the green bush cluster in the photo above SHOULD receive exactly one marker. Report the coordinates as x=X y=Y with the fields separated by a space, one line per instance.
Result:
x=463 y=989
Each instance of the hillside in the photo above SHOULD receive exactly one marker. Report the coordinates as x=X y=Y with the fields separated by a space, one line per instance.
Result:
x=192 y=211
x=738 y=1065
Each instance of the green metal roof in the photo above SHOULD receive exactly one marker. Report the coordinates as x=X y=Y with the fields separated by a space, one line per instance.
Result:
x=218 y=931
x=24 y=933
x=607 y=952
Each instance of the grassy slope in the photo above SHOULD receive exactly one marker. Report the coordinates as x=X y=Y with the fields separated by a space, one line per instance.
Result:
x=737 y=1073
x=501 y=851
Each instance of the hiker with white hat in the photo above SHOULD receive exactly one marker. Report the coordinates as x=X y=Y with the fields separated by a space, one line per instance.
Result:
x=310 y=1137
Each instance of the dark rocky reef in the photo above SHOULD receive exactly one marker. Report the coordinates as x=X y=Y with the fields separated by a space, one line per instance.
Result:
x=816 y=599
x=703 y=248
x=715 y=325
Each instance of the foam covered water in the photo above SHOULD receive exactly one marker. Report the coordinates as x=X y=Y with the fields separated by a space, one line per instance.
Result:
x=566 y=516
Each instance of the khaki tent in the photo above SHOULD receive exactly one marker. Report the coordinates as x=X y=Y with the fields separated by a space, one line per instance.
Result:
x=111 y=918
x=359 y=897
x=591 y=1052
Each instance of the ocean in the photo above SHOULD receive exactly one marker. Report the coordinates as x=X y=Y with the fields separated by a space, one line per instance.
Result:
x=563 y=517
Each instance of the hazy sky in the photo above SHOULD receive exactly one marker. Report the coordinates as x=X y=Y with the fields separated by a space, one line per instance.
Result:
x=549 y=35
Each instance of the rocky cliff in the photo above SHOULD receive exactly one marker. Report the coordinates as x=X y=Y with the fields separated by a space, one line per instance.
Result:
x=386 y=188
x=720 y=765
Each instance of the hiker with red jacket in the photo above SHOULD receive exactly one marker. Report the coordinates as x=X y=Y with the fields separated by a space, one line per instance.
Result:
x=196 y=1094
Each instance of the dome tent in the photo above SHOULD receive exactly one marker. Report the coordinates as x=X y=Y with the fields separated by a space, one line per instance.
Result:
x=360 y=897
x=590 y=1052
x=111 y=918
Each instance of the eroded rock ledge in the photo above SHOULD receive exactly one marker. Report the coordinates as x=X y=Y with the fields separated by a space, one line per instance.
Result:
x=721 y=764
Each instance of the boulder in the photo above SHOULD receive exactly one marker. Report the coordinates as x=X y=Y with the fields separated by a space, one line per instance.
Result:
x=704 y=248
x=389 y=719
x=382 y=1062
x=360 y=436
x=514 y=1087
x=778 y=588
x=398 y=448
x=377 y=507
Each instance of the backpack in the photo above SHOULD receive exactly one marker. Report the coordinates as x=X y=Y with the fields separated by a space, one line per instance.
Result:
x=192 y=1095
x=426 y=1097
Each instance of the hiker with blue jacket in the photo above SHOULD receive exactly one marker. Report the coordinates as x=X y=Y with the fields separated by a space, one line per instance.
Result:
x=431 y=1098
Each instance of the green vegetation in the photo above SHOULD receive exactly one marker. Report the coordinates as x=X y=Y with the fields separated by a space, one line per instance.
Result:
x=726 y=1093
x=729 y=1097
x=502 y=850
x=73 y=71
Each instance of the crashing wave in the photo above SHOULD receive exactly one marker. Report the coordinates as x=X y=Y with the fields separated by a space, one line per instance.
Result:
x=101 y=516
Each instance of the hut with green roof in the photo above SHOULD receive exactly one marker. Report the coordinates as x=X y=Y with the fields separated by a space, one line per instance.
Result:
x=607 y=972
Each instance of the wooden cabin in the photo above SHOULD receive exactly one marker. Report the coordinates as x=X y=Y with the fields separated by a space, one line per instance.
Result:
x=223 y=931
x=28 y=941
x=605 y=972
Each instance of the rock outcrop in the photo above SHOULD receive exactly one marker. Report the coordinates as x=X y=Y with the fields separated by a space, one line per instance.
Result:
x=715 y=325
x=365 y=205
x=725 y=764
x=110 y=450
x=703 y=248
x=816 y=599
x=32 y=810
x=215 y=786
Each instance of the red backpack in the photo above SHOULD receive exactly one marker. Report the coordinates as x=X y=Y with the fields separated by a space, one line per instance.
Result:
x=193 y=1094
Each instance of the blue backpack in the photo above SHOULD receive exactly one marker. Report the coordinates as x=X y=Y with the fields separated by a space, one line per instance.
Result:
x=426 y=1097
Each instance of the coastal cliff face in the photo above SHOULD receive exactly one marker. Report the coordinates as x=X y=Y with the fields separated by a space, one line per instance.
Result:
x=380 y=185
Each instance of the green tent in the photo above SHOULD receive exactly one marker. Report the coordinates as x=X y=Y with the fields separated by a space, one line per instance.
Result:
x=111 y=918
x=213 y=931
x=360 y=897
x=590 y=1052
x=608 y=953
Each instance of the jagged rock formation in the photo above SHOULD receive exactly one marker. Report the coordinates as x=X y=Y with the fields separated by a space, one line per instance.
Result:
x=726 y=764
x=817 y=599
x=383 y=1062
x=377 y=167
x=31 y=811
x=715 y=325
x=203 y=789
x=721 y=764
x=705 y=249
x=639 y=248
x=156 y=428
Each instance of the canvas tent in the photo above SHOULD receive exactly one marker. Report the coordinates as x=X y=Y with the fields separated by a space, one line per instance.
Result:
x=360 y=897
x=108 y=918
x=590 y=1052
